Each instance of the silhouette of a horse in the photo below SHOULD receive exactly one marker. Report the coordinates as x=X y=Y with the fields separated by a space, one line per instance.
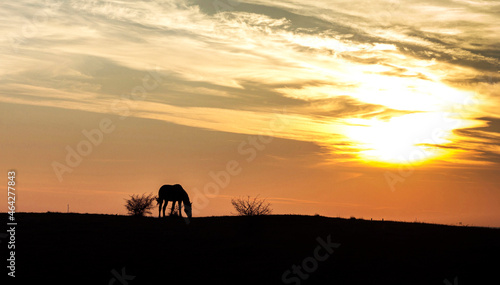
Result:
x=174 y=193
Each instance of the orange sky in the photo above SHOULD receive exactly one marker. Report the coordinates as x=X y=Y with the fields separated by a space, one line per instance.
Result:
x=372 y=109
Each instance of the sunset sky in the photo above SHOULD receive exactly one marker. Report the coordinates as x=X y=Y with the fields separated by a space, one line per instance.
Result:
x=372 y=109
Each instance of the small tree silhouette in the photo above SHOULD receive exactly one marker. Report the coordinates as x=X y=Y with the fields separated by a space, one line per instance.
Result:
x=251 y=207
x=140 y=205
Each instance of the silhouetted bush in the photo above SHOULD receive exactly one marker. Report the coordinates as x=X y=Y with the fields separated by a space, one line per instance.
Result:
x=251 y=207
x=140 y=205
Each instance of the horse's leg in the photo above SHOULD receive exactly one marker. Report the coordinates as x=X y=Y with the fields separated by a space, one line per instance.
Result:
x=180 y=208
x=165 y=207
x=173 y=208
x=159 y=208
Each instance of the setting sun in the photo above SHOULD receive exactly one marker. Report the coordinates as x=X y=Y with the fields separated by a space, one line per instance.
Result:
x=431 y=113
x=407 y=139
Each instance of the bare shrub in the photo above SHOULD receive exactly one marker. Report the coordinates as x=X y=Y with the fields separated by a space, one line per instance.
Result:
x=140 y=205
x=251 y=207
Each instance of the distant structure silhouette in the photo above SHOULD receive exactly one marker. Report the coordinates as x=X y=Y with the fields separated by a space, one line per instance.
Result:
x=174 y=193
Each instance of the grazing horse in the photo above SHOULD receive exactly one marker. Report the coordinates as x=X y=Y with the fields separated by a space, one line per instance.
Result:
x=174 y=193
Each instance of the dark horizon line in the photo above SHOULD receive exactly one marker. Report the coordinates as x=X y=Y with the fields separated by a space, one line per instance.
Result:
x=302 y=215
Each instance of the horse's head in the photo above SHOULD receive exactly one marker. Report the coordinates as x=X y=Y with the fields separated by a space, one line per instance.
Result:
x=188 y=209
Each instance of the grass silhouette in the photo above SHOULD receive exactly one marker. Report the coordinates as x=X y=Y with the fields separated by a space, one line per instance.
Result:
x=86 y=248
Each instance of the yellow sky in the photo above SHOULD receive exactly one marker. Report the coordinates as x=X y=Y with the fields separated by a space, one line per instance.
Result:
x=378 y=109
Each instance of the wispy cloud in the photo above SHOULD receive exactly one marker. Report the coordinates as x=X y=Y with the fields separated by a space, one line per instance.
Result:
x=327 y=63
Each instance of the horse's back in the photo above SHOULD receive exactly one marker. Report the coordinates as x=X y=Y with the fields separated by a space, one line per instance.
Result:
x=171 y=192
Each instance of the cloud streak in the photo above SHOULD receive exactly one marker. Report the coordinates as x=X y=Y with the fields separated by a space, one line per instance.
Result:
x=332 y=66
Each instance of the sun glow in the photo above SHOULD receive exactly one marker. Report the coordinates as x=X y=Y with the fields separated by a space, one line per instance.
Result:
x=433 y=111
x=410 y=94
x=409 y=139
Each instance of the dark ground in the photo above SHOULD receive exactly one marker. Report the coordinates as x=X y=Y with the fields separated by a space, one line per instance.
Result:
x=104 y=249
